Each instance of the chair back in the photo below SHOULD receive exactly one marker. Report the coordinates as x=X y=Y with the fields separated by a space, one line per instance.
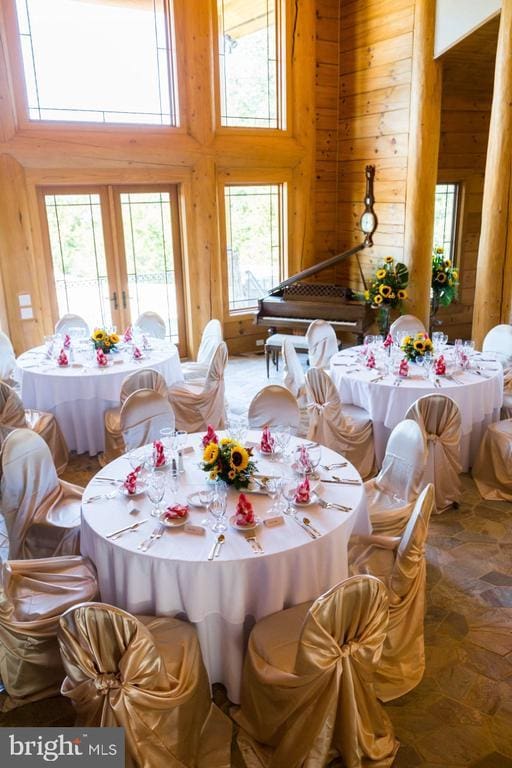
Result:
x=406 y=324
x=325 y=400
x=143 y=414
x=499 y=341
x=272 y=406
x=217 y=366
x=211 y=337
x=404 y=462
x=152 y=324
x=28 y=478
x=12 y=412
x=322 y=343
x=145 y=378
x=70 y=321
x=294 y=378
x=410 y=558
x=7 y=358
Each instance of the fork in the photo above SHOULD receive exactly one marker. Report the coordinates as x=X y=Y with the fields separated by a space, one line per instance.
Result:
x=101 y=497
x=157 y=533
x=346 y=480
x=328 y=467
x=254 y=543
x=331 y=505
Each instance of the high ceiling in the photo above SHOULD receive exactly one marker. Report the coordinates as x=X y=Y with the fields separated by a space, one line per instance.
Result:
x=469 y=66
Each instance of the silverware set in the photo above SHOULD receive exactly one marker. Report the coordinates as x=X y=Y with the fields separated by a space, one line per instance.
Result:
x=101 y=497
x=215 y=550
x=331 y=505
x=157 y=534
x=254 y=543
x=328 y=467
x=305 y=524
x=133 y=527
x=340 y=480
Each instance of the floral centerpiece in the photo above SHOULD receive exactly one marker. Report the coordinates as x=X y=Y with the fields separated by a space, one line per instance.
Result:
x=387 y=290
x=104 y=341
x=416 y=346
x=227 y=459
x=445 y=281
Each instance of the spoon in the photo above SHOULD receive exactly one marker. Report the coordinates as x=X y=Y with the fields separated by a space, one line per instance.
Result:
x=220 y=541
x=307 y=522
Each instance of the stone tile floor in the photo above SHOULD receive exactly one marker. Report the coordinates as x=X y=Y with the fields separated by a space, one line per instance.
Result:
x=461 y=713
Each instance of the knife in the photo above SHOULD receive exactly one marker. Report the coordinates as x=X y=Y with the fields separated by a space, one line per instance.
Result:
x=128 y=528
x=305 y=528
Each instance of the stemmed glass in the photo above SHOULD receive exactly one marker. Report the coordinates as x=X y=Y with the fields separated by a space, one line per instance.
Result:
x=206 y=495
x=315 y=454
x=282 y=436
x=289 y=491
x=273 y=488
x=156 y=491
x=218 y=511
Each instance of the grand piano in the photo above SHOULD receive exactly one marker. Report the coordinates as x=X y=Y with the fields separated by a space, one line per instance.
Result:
x=294 y=304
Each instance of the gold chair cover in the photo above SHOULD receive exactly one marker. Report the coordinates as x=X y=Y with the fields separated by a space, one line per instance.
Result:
x=439 y=418
x=400 y=563
x=34 y=595
x=492 y=471
x=392 y=494
x=143 y=415
x=506 y=410
x=274 y=405
x=196 y=407
x=13 y=414
x=42 y=513
x=307 y=691
x=145 y=674
x=345 y=429
x=146 y=378
x=7 y=358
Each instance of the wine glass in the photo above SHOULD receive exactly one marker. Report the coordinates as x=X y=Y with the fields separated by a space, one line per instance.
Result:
x=282 y=435
x=218 y=511
x=469 y=347
x=156 y=491
x=289 y=491
x=315 y=454
x=136 y=458
x=206 y=494
x=273 y=488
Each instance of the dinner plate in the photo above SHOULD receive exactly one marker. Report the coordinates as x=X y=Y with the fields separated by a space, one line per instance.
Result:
x=313 y=499
x=250 y=527
x=194 y=501
x=173 y=522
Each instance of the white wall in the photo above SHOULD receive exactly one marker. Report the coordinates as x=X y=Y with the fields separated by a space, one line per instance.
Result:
x=455 y=19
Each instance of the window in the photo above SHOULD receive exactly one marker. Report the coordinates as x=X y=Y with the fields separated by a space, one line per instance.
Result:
x=254 y=242
x=250 y=56
x=445 y=218
x=98 y=60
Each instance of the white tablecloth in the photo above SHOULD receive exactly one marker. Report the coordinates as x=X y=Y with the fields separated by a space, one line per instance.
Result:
x=79 y=395
x=225 y=596
x=479 y=398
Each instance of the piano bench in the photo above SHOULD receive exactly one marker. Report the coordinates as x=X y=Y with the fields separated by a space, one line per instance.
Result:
x=273 y=346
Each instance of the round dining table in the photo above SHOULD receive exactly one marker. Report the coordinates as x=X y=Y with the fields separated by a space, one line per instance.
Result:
x=477 y=391
x=223 y=597
x=79 y=395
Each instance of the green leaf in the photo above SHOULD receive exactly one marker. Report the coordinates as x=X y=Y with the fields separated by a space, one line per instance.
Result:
x=402 y=274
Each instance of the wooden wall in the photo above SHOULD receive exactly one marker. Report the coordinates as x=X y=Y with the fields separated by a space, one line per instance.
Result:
x=468 y=74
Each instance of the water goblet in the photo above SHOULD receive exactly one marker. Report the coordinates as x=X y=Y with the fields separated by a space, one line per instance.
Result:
x=273 y=488
x=218 y=511
x=289 y=491
x=282 y=436
x=468 y=347
x=136 y=458
x=315 y=454
x=206 y=494
x=156 y=491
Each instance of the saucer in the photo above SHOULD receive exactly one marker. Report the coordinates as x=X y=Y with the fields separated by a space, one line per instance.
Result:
x=249 y=527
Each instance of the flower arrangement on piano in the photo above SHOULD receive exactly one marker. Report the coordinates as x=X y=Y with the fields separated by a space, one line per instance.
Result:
x=227 y=460
x=104 y=341
x=417 y=346
x=445 y=280
x=387 y=289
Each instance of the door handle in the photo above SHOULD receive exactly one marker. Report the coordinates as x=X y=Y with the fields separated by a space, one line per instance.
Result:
x=124 y=299
x=114 y=299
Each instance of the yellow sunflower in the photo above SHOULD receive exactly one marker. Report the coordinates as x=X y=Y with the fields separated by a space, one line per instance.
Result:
x=455 y=274
x=388 y=259
x=226 y=441
x=385 y=290
x=419 y=345
x=402 y=294
x=441 y=277
x=239 y=458
x=211 y=453
x=392 y=295
x=428 y=346
x=231 y=474
x=406 y=341
x=380 y=274
x=367 y=295
x=439 y=250
x=378 y=299
x=447 y=263
x=114 y=338
x=99 y=335
x=214 y=472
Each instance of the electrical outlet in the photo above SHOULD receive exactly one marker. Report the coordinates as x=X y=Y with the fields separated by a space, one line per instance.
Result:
x=260 y=342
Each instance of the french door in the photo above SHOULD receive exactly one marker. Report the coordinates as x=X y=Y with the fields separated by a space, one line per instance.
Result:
x=114 y=252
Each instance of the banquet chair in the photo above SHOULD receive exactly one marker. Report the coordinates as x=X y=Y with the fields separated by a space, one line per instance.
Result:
x=69 y=322
x=197 y=406
x=346 y=429
x=145 y=378
x=406 y=324
x=42 y=513
x=498 y=341
x=308 y=694
x=13 y=414
x=294 y=378
x=152 y=324
x=322 y=343
x=34 y=595
x=146 y=675
x=506 y=408
x=399 y=562
x=212 y=335
x=439 y=418
x=391 y=495
x=272 y=406
x=143 y=414
x=7 y=360
x=492 y=470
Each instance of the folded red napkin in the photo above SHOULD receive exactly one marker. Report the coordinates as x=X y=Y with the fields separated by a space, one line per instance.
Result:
x=67 y=341
x=131 y=481
x=210 y=436
x=176 y=511
x=62 y=358
x=101 y=358
x=136 y=353
x=440 y=366
x=370 y=360
x=302 y=495
x=159 y=458
x=128 y=335
x=267 y=441
x=403 y=369
x=244 y=512
x=388 y=341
